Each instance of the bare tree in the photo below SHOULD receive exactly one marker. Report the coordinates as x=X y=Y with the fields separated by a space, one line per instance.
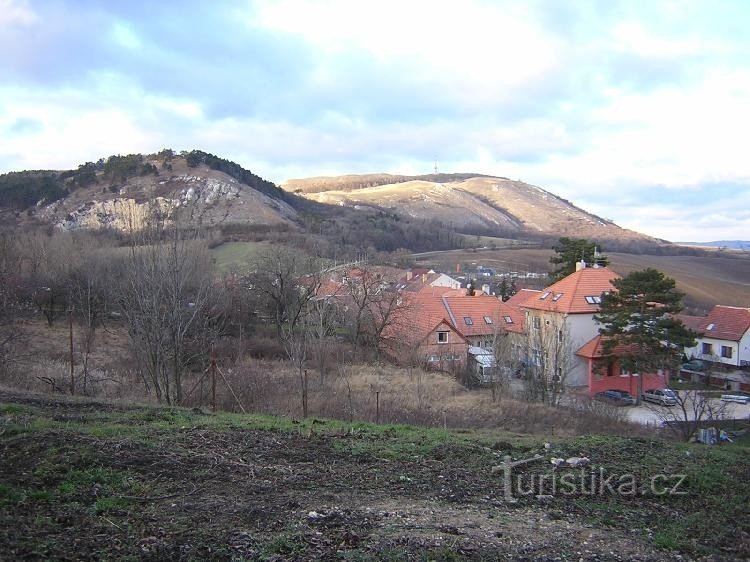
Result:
x=508 y=361
x=165 y=293
x=90 y=287
x=693 y=410
x=549 y=359
x=324 y=319
x=10 y=333
x=287 y=280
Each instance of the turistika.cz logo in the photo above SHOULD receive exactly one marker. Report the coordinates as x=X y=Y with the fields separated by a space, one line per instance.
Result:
x=583 y=482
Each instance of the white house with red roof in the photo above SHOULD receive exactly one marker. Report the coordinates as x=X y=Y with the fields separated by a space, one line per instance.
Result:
x=724 y=336
x=561 y=333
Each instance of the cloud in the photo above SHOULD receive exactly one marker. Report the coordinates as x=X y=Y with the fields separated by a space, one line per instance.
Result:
x=628 y=109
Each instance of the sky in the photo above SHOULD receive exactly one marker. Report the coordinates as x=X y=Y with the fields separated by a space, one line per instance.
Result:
x=636 y=111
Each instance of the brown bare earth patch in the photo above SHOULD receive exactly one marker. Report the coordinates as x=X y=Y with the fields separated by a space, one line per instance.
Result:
x=89 y=480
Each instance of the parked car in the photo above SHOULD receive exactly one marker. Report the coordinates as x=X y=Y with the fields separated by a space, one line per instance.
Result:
x=619 y=397
x=663 y=396
x=695 y=365
x=739 y=398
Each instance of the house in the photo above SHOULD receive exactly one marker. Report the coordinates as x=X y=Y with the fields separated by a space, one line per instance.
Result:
x=605 y=373
x=416 y=280
x=561 y=336
x=723 y=336
x=443 y=323
x=560 y=320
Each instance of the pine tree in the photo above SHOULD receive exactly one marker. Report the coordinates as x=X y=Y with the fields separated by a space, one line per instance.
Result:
x=638 y=319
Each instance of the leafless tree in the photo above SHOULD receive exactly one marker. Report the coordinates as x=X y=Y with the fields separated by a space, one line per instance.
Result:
x=550 y=358
x=324 y=318
x=507 y=362
x=165 y=292
x=694 y=409
x=10 y=333
x=287 y=280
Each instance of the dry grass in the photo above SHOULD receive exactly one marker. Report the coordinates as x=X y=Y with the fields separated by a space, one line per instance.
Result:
x=387 y=394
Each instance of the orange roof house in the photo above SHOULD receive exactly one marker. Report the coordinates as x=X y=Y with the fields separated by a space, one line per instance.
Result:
x=724 y=335
x=578 y=293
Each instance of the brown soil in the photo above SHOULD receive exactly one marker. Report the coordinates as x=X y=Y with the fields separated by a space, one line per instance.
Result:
x=273 y=495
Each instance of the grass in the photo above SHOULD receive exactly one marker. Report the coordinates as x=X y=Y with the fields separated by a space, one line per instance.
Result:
x=237 y=253
x=69 y=476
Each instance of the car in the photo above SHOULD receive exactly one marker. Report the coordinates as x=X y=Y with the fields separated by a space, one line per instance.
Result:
x=663 y=396
x=739 y=398
x=619 y=397
x=695 y=365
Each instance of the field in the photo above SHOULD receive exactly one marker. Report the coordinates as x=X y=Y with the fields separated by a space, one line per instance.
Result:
x=706 y=280
x=89 y=480
x=237 y=254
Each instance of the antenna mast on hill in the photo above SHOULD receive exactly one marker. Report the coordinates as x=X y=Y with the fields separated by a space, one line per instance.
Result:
x=436 y=167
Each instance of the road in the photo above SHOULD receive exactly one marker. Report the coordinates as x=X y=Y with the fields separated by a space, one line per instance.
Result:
x=648 y=413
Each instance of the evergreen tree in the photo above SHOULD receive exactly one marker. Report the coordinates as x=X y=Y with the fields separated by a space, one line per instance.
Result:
x=569 y=251
x=637 y=318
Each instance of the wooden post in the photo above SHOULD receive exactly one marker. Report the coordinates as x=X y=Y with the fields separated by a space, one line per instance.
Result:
x=213 y=383
x=304 y=394
x=72 y=365
x=377 y=407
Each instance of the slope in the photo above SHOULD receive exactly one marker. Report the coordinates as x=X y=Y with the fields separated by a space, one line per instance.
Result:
x=124 y=191
x=471 y=204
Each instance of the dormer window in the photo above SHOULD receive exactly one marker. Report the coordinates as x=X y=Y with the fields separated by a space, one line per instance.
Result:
x=593 y=300
x=468 y=321
x=557 y=297
x=710 y=327
x=508 y=319
x=544 y=295
x=487 y=320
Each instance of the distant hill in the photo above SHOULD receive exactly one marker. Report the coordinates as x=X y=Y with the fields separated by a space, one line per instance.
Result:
x=470 y=203
x=120 y=191
x=729 y=244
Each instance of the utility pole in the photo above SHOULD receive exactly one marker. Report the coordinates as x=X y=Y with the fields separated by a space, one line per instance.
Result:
x=72 y=365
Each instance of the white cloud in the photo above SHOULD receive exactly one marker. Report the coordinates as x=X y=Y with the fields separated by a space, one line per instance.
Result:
x=15 y=13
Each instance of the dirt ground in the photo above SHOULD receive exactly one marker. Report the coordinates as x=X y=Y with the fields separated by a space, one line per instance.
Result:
x=193 y=492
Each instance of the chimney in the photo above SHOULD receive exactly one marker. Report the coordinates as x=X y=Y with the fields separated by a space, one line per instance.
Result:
x=486 y=289
x=424 y=278
x=580 y=265
x=409 y=275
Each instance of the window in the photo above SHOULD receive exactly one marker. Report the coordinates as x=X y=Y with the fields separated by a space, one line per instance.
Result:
x=508 y=319
x=593 y=299
x=726 y=351
x=433 y=359
x=707 y=349
x=544 y=295
x=442 y=337
x=557 y=297
x=560 y=336
x=468 y=321
x=710 y=327
x=537 y=322
x=487 y=320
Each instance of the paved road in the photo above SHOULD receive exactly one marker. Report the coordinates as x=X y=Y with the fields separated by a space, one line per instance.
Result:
x=650 y=413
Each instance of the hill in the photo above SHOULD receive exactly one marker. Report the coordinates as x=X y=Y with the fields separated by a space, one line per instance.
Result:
x=121 y=191
x=92 y=480
x=472 y=204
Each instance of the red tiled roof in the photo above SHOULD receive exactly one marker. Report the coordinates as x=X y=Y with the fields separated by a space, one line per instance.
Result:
x=575 y=294
x=485 y=314
x=726 y=323
x=428 y=307
x=691 y=322
x=594 y=348
x=522 y=296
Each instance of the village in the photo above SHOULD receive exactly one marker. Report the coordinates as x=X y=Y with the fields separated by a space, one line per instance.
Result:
x=545 y=342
